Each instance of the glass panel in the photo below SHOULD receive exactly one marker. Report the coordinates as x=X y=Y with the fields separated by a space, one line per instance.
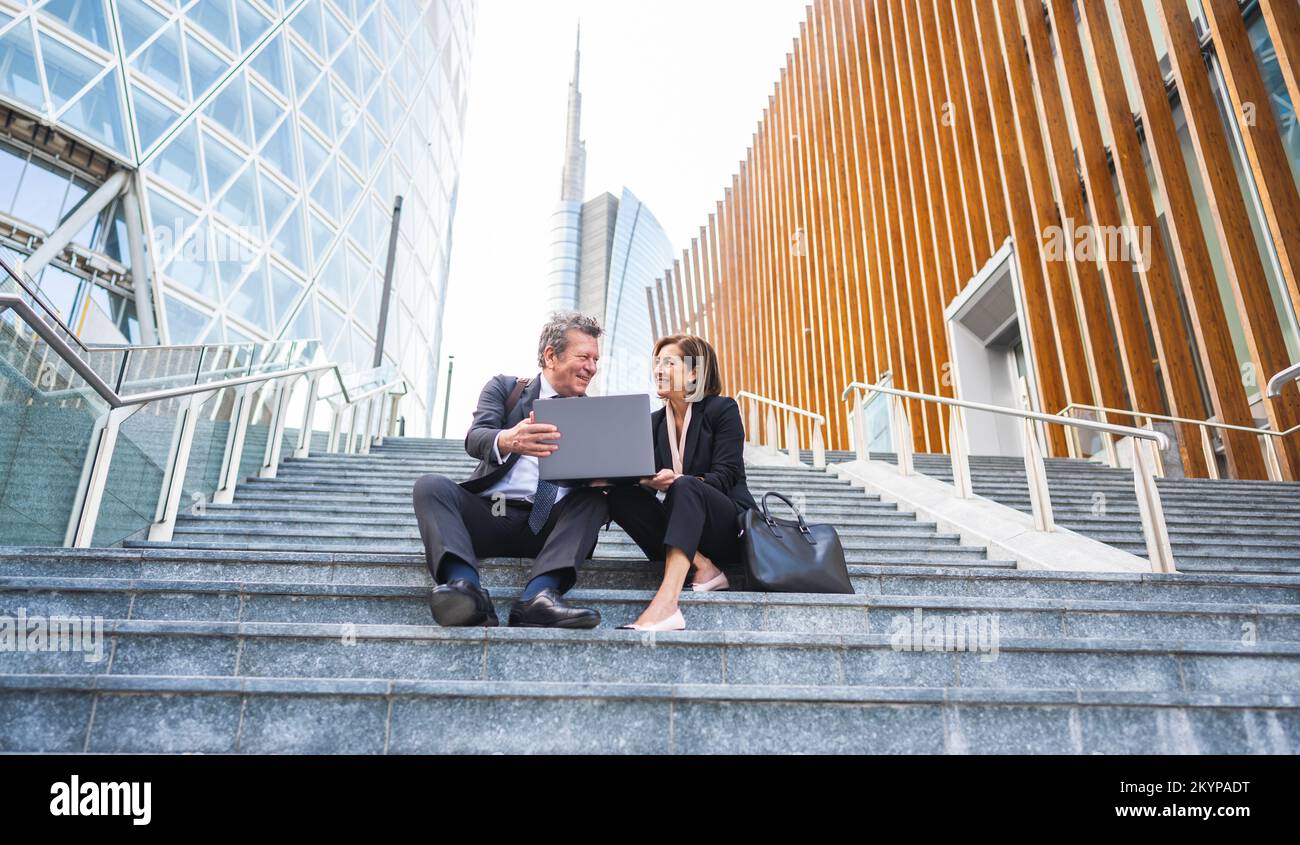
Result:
x=84 y=17
x=275 y=201
x=136 y=474
x=47 y=418
x=40 y=195
x=334 y=278
x=259 y=430
x=269 y=62
x=208 y=449
x=289 y=242
x=305 y=70
x=313 y=155
x=252 y=25
x=158 y=368
x=205 y=67
x=335 y=31
x=13 y=161
x=99 y=113
x=178 y=162
x=321 y=235
x=266 y=113
x=284 y=292
x=230 y=110
x=152 y=117
x=326 y=192
x=193 y=266
x=185 y=323
x=66 y=70
x=249 y=302
x=170 y=222
x=317 y=109
x=239 y=203
x=161 y=62
x=138 y=21
x=220 y=163
x=215 y=17
x=279 y=152
x=307 y=24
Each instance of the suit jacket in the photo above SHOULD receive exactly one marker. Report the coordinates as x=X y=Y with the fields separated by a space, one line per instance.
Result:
x=714 y=449
x=490 y=418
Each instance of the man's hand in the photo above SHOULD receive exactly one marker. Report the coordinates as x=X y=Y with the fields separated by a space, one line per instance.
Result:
x=529 y=437
x=662 y=480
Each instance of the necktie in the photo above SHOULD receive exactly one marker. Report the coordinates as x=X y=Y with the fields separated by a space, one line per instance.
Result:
x=543 y=500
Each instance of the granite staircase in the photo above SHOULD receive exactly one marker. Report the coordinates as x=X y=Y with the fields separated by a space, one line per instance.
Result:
x=296 y=620
x=1215 y=526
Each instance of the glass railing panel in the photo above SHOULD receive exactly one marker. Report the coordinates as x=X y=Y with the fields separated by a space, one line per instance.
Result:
x=259 y=430
x=135 y=475
x=211 y=432
x=47 y=421
x=152 y=368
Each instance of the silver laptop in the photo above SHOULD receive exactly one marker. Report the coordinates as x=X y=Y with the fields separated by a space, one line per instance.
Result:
x=604 y=437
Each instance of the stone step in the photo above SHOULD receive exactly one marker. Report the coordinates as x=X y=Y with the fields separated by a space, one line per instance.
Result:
x=904 y=536
x=115 y=714
x=398 y=516
x=876 y=552
x=816 y=511
x=226 y=601
x=428 y=652
x=981 y=578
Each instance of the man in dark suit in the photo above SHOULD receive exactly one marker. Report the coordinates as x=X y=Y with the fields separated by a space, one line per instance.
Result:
x=504 y=509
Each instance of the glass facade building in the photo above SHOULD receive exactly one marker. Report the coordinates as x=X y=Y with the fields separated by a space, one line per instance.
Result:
x=266 y=142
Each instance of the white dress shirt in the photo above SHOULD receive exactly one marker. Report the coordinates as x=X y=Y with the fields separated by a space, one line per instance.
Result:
x=521 y=481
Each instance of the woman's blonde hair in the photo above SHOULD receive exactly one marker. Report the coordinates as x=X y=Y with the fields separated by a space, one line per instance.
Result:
x=697 y=355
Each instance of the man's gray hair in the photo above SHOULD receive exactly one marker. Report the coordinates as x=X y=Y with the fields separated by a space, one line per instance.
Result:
x=555 y=332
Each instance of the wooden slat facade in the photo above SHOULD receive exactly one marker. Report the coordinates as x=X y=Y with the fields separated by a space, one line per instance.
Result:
x=905 y=141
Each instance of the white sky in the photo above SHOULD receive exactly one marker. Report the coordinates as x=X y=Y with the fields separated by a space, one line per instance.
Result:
x=672 y=91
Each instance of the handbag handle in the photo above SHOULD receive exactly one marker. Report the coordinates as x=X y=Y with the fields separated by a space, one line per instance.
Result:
x=771 y=523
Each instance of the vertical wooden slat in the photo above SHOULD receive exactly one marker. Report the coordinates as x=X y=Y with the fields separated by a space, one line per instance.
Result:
x=1073 y=349
x=1261 y=136
x=981 y=40
x=981 y=123
x=861 y=226
x=1084 y=277
x=1228 y=209
x=1136 y=355
x=1282 y=18
x=941 y=278
x=941 y=119
x=1189 y=249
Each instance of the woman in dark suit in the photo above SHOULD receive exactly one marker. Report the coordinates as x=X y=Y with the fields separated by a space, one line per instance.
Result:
x=699 y=453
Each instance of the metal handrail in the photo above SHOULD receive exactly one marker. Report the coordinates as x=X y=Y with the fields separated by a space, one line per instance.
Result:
x=1272 y=460
x=1127 y=431
x=817 y=445
x=247 y=395
x=782 y=406
x=1276 y=383
x=34 y=292
x=1154 y=529
x=1263 y=432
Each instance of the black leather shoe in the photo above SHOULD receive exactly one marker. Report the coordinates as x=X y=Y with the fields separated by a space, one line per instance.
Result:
x=548 y=609
x=459 y=603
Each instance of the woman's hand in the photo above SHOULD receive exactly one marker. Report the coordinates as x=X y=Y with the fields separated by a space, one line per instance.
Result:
x=662 y=480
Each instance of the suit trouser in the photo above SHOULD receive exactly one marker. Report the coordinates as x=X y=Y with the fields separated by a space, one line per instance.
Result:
x=455 y=521
x=694 y=516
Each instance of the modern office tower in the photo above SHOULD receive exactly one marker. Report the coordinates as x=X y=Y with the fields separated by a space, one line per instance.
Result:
x=1071 y=205
x=218 y=171
x=605 y=253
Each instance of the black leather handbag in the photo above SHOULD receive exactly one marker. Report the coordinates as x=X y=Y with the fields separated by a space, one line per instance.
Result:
x=791 y=556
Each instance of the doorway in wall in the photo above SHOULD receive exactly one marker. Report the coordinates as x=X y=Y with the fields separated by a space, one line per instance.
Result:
x=991 y=361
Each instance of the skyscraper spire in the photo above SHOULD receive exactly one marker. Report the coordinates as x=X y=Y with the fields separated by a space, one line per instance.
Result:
x=573 y=182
